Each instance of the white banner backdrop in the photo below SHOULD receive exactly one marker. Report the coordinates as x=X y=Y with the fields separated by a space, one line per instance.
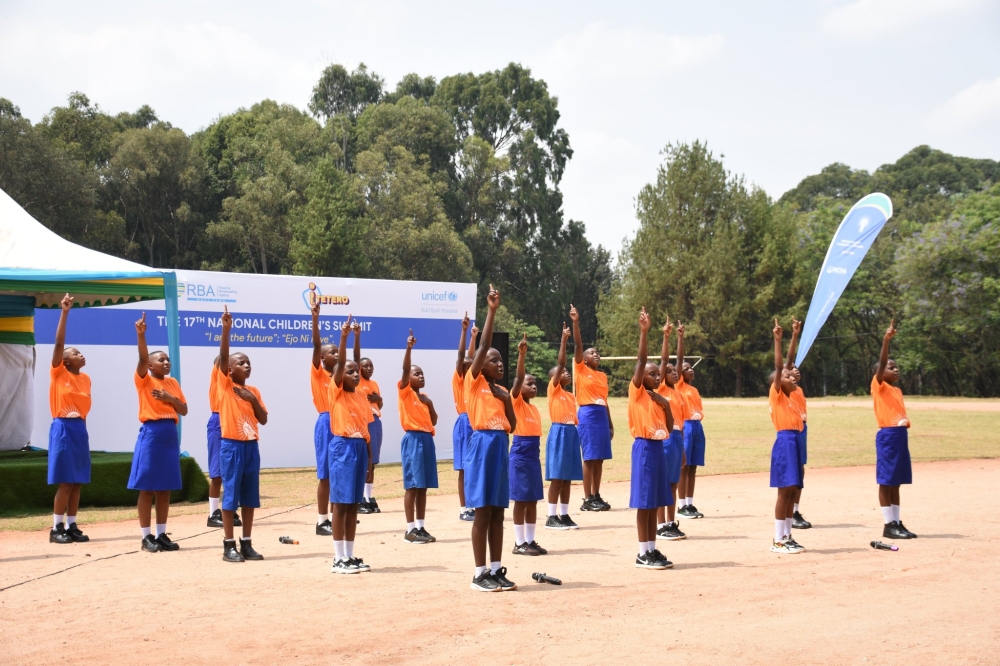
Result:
x=272 y=325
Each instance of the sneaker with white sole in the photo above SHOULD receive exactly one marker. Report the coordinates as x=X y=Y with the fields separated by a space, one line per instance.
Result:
x=648 y=560
x=485 y=582
x=344 y=567
x=554 y=523
x=794 y=545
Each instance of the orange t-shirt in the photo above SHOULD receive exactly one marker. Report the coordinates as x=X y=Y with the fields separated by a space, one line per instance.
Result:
x=677 y=407
x=486 y=412
x=367 y=387
x=214 y=402
x=890 y=411
x=236 y=416
x=413 y=414
x=69 y=394
x=349 y=413
x=319 y=384
x=692 y=399
x=590 y=386
x=529 y=421
x=562 y=405
x=799 y=400
x=151 y=409
x=645 y=418
x=784 y=414
x=458 y=392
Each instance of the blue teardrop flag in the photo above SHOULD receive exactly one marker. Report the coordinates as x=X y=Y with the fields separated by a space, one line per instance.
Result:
x=849 y=246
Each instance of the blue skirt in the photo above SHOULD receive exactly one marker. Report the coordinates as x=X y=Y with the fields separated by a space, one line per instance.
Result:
x=347 y=459
x=525 y=470
x=562 y=453
x=892 y=457
x=156 y=463
x=240 y=462
x=803 y=453
x=486 y=470
x=419 y=460
x=595 y=432
x=673 y=449
x=213 y=433
x=694 y=443
x=375 y=433
x=69 y=451
x=649 y=486
x=785 y=459
x=460 y=435
x=321 y=442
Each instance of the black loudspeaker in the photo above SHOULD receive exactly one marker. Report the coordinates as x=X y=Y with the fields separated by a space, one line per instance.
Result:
x=501 y=342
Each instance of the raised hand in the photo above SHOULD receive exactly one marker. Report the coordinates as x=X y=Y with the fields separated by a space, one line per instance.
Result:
x=410 y=341
x=796 y=326
x=565 y=332
x=227 y=319
x=474 y=332
x=573 y=314
x=66 y=303
x=890 y=332
x=465 y=322
x=522 y=346
x=315 y=308
x=680 y=330
x=140 y=326
x=493 y=298
x=356 y=328
x=667 y=327
x=643 y=320
x=777 y=329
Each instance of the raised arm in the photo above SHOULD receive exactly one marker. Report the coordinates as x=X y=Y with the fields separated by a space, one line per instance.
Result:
x=883 y=357
x=778 y=364
x=357 y=342
x=492 y=302
x=338 y=372
x=317 y=342
x=473 y=332
x=679 y=363
x=665 y=350
x=796 y=329
x=460 y=363
x=227 y=325
x=522 y=351
x=410 y=341
x=140 y=333
x=640 y=361
x=57 y=351
x=574 y=315
x=561 y=359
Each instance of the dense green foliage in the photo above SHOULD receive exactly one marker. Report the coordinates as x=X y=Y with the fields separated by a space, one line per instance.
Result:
x=725 y=259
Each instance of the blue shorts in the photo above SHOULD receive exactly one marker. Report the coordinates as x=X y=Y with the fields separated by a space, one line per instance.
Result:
x=892 y=457
x=803 y=452
x=347 y=459
x=673 y=450
x=419 y=460
x=156 y=462
x=694 y=443
x=785 y=459
x=595 y=432
x=240 y=461
x=375 y=433
x=213 y=433
x=525 y=470
x=69 y=451
x=649 y=486
x=460 y=435
x=486 y=470
x=321 y=442
x=562 y=453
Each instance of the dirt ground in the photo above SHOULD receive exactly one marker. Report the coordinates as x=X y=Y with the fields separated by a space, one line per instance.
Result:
x=728 y=600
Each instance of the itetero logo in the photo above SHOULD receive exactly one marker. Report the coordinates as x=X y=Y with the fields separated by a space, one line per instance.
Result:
x=439 y=296
x=313 y=295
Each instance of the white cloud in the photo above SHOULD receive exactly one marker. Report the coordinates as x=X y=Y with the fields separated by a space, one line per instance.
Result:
x=969 y=107
x=874 y=17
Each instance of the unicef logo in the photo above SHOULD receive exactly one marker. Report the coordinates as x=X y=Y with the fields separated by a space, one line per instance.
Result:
x=452 y=296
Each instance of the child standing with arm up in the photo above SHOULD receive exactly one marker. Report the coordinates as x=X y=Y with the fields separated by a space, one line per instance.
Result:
x=373 y=394
x=799 y=400
x=213 y=432
x=525 y=464
x=673 y=447
x=69 y=443
x=156 y=462
x=694 y=437
x=785 y=452
x=590 y=386
x=563 y=464
x=324 y=359
x=462 y=431
x=418 y=418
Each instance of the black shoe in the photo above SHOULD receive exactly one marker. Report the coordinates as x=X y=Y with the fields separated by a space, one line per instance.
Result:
x=373 y=505
x=79 y=537
x=525 y=549
x=800 y=523
x=901 y=526
x=215 y=520
x=325 y=528
x=662 y=559
x=468 y=515
x=236 y=520
x=166 y=543
x=247 y=551
x=693 y=512
x=150 y=544
x=554 y=523
x=538 y=549
x=674 y=531
x=485 y=582
x=58 y=534
x=648 y=561
x=894 y=530
x=501 y=577
x=229 y=552
x=364 y=507
x=683 y=512
x=427 y=535
x=589 y=504
x=568 y=522
x=415 y=537
x=599 y=501
x=360 y=564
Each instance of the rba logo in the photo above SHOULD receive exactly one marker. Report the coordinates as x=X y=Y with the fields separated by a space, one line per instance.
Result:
x=313 y=295
x=190 y=289
x=439 y=296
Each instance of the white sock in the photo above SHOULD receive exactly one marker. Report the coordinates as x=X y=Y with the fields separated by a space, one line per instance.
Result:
x=368 y=490
x=338 y=550
x=888 y=515
x=145 y=532
x=642 y=548
x=779 y=529
x=243 y=538
x=410 y=526
x=895 y=512
x=320 y=517
x=161 y=528
x=349 y=549
x=480 y=570
x=420 y=523
x=494 y=566
x=795 y=508
x=518 y=534
x=788 y=527
x=553 y=508
x=57 y=520
x=71 y=520
x=529 y=532
x=688 y=501
x=651 y=545
x=660 y=526
x=213 y=504
x=564 y=509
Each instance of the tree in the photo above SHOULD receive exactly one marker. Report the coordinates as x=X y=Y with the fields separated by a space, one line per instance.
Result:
x=342 y=96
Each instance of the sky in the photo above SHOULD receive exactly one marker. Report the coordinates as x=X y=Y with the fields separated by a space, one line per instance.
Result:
x=780 y=89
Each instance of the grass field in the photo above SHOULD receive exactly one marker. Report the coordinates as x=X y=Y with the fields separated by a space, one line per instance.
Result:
x=739 y=437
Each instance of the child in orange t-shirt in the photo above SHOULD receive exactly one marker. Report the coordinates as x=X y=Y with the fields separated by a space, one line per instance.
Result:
x=694 y=438
x=348 y=456
x=525 y=467
x=69 y=443
x=156 y=462
x=649 y=422
x=590 y=386
x=419 y=458
x=373 y=394
x=799 y=400
x=563 y=463
x=787 y=422
x=892 y=448
x=673 y=446
x=462 y=431
x=324 y=360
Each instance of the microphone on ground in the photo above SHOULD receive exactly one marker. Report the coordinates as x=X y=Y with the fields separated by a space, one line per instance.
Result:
x=878 y=545
x=288 y=540
x=542 y=578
